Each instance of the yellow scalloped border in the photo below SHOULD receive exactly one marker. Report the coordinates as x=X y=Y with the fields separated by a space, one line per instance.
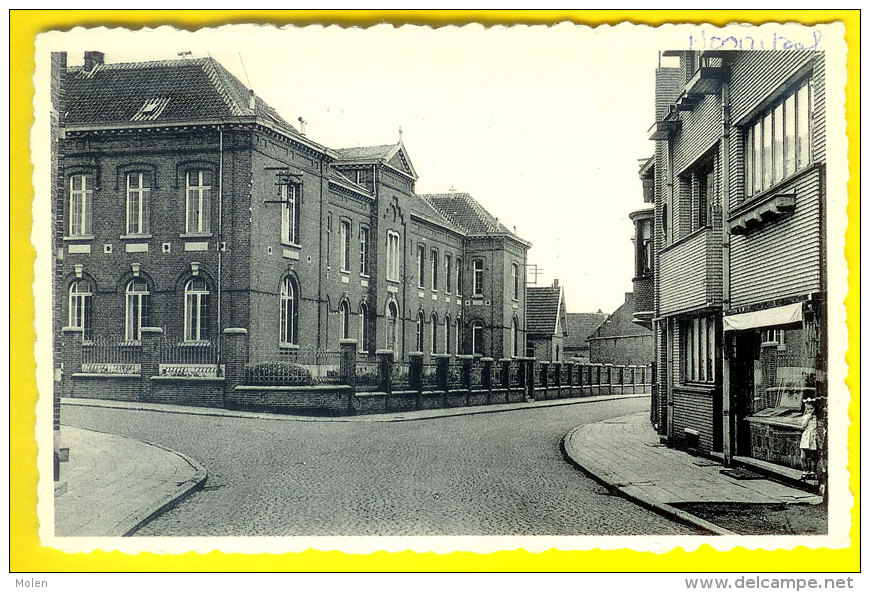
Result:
x=26 y=554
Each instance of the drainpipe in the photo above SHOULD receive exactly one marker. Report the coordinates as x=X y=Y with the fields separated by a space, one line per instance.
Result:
x=727 y=347
x=220 y=239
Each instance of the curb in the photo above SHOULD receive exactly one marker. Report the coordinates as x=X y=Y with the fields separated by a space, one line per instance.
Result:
x=140 y=518
x=374 y=417
x=648 y=503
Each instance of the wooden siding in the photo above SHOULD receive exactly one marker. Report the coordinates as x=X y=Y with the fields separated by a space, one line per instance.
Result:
x=691 y=273
x=818 y=122
x=781 y=258
x=758 y=76
x=701 y=130
x=695 y=410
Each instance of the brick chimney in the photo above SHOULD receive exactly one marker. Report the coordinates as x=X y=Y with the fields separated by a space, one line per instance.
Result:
x=93 y=59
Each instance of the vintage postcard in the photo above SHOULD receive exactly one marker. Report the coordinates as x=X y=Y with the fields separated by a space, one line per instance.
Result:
x=441 y=288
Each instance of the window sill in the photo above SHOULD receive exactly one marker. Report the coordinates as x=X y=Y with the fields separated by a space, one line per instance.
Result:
x=288 y=346
x=135 y=237
x=697 y=387
x=291 y=245
x=79 y=237
x=344 y=271
x=195 y=235
x=365 y=276
x=195 y=343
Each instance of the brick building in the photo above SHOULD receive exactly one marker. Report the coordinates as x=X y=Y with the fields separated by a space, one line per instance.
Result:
x=738 y=180
x=547 y=324
x=183 y=201
x=620 y=340
x=581 y=325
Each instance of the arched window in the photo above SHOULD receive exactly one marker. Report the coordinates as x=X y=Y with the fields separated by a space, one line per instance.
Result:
x=138 y=300
x=196 y=310
x=344 y=312
x=363 y=327
x=420 y=331
x=477 y=338
x=447 y=332
x=81 y=306
x=289 y=321
x=434 y=333
x=392 y=326
x=515 y=338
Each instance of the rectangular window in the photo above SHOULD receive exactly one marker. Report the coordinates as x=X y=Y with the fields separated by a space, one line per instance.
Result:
x=198 y=202
x=289 y=214
x=81 y=205
x=778 y=143
x=421 y=266
x=434 y=258
x=392 y=256
x=344 y=231
x=458 y=276
x=328 y=237
x=138 y=202
x=699 y=350
x=448 y=272
x=477 y=279
x=363 y=250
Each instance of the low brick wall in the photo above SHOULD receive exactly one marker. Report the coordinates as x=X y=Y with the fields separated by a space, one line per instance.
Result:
x=365 y=403
x=402 y=401
x=309 y=400
x=197 y=392
x=118 y=387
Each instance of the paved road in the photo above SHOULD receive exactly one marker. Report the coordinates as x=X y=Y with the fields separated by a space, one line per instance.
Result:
x=488 y=474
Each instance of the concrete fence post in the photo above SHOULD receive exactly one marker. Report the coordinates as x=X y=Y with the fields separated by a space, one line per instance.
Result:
x=235 y=357
x=569 y=374
x=465 y=375
x=442 y=364
x=486 y=377
x=545 y=377
x=557 y=377
x=347 y=361
x=415 y=376
x=150 y=361
x=528 y=364
x=385 y=370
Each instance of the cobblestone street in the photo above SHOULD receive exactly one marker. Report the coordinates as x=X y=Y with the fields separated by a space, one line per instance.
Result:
x=487 y=474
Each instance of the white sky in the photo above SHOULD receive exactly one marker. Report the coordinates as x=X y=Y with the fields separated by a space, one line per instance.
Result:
x=544 y=126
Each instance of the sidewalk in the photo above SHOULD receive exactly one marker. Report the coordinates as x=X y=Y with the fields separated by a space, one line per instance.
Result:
x=114 y=484
x=624 y=453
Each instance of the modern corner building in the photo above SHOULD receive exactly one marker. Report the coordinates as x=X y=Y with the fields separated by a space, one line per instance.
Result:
x=185 y=202
x=738 y=251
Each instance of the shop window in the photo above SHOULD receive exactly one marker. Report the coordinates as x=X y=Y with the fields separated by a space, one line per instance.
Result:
x=698 y=347
x=778 y=141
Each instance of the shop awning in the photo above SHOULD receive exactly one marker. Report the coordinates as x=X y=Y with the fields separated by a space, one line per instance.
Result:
x=770 y=317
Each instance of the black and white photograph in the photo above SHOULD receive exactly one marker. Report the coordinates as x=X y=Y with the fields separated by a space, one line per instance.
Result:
x=441 y=288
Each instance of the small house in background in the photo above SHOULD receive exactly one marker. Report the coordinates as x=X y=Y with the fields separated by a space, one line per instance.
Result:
x=581 y=326
x=547 y=323
x=619 y=340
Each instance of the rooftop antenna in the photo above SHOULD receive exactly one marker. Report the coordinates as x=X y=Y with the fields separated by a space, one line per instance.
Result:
x=251 y=86
x=184 y=54
x=400 y=132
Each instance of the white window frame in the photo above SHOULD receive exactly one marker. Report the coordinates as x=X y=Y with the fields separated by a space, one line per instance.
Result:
x=477 y=277
x=421 y=266
x=393 y=256
x=288 y=322
x=434 y=320
x=196 y=313
x=421 y=331
x=477 y=337
x=363 y=327
x=344 y=313
x=344 y=229
x=363 y=250
x=137 y=300
x=447 y=333
x=698 y=355
x=81 y=205
x=138 y=204
x=459 y=276
x=289 y=197
x=448 y=272
x=391 y=327
x=198 y=202
x=433 y=259
x=81 y=306
x=515 y=276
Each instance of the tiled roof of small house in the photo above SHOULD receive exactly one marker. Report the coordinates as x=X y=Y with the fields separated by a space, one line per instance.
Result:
x=425 y=210
x=165 y=91
x=543 y=309
x=620 y=322
x=464 y=211
x=581 y=326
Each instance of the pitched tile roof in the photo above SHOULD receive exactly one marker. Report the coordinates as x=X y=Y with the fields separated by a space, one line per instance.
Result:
x=543 y=309
x=365 y=152
x=620 y=322
x=464 y=211
x=581 y=326
x=182 y=90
